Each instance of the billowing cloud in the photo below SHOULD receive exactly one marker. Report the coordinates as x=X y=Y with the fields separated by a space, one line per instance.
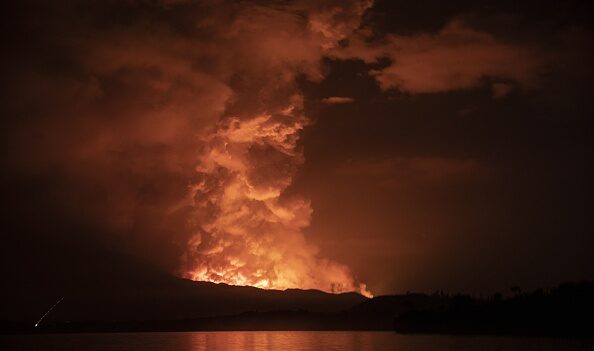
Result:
x=456 y=58
x=245 y=231
x=175 y=126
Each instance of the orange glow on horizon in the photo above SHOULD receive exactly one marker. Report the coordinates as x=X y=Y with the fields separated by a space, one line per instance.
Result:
x=237 y=279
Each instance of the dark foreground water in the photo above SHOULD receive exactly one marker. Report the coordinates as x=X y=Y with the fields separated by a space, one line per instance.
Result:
x=305 y=341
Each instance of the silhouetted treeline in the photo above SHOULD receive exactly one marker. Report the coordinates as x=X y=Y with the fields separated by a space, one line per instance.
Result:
x=567 y=310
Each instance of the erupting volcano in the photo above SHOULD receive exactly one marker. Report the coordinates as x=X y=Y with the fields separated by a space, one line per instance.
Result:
x=246 y=232
x=190 y=166
x=244 y=227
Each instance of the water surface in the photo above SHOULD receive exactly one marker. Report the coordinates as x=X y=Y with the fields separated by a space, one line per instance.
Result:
x=293 y=340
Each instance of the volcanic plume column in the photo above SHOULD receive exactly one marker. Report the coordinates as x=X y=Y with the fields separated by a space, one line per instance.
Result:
x=246 y=232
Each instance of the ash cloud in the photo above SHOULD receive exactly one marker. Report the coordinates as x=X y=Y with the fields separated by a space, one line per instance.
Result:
x=169 y=125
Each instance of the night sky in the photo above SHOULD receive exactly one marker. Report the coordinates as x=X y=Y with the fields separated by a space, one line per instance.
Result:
x=339 y=145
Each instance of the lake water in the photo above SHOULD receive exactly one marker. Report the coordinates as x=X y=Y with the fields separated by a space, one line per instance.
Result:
x=299 y=341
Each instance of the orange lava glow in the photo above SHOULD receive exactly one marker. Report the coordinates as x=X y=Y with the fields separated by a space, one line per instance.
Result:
x=245 y=231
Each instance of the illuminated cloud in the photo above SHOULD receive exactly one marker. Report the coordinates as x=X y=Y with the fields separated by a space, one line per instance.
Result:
x=456 y=58
x=180 y=137
x=336 y=100
x=244 y=231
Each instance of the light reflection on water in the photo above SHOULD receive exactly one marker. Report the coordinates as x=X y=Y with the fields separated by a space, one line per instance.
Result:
x=300 y=341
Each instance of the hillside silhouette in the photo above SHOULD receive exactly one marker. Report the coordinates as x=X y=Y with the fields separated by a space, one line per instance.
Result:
x=129 y=295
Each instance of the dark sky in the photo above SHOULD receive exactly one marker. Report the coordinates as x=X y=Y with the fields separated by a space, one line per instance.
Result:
x=410 y=146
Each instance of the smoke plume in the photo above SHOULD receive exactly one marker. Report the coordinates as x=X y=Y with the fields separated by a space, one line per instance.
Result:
x=173 y=128
x=244 y=231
